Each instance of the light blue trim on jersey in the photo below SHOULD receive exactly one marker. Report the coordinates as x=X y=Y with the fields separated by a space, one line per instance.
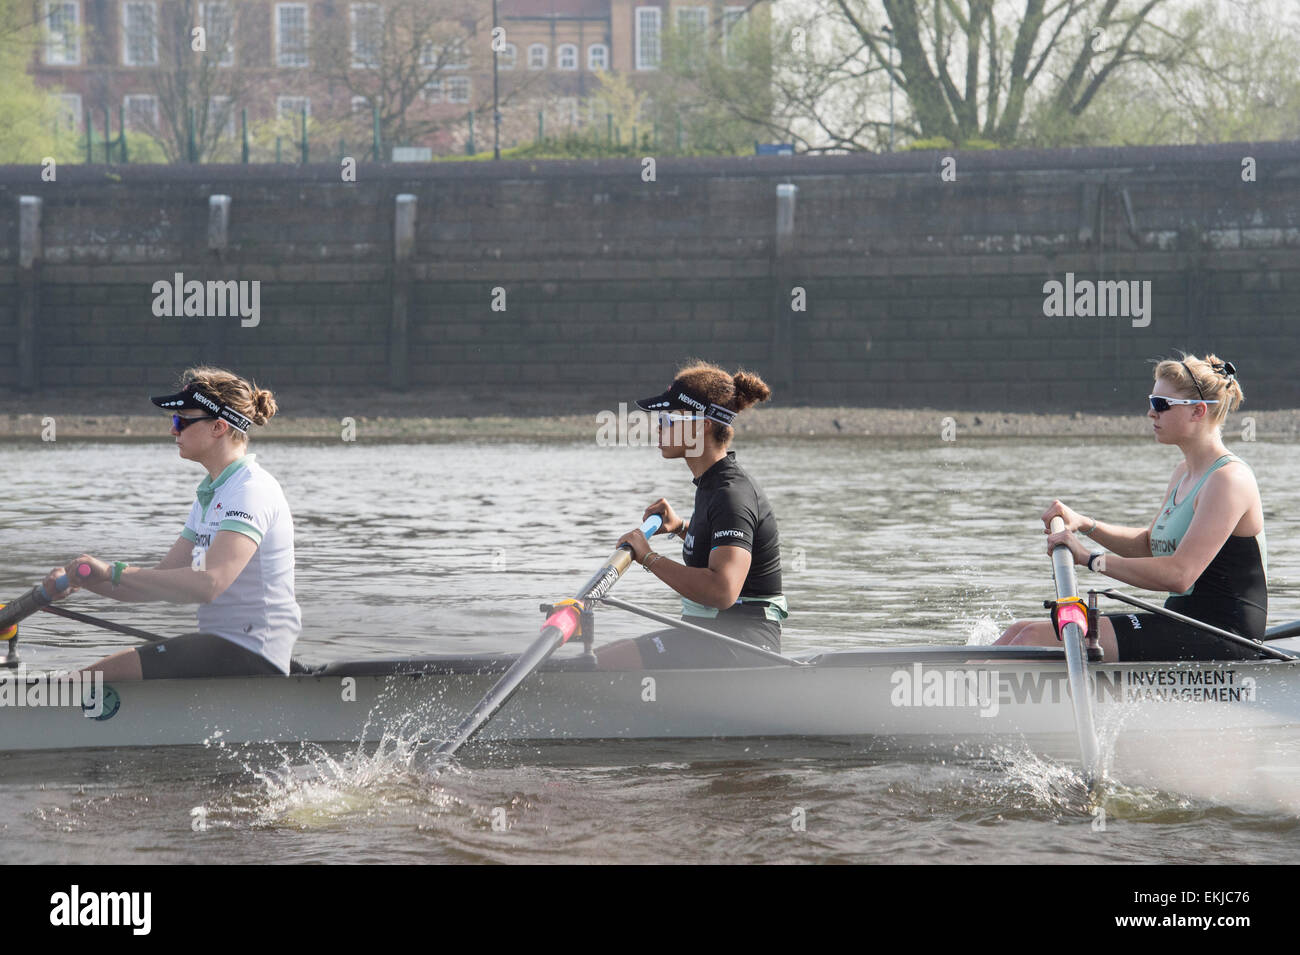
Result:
x=777 y=609
x=208 y=488
x=240 y=527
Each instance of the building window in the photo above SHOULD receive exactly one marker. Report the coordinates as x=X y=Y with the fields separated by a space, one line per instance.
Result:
x=367 y=34
x=141 y=113
x=360 y=104
x=537 y=56
x=69 y=113
x=692 y=31
x=432 y=91
x=218 y=25
x=647 y=38
x=566 y=57
x=693 y=20
x=458 y=89
x=506 y=58
x=291 y=107
x=450 y=56
x=221 y=117
x=62 y=34
x=457 y=56
x=731 y=27
x=140 y=34
x=597 y=57
x=291 y=34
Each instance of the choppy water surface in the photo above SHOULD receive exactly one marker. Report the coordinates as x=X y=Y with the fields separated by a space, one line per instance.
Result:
x=447 y=547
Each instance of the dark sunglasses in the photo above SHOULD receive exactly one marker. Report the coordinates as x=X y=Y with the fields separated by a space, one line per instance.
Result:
x=1159 y=404
x=180 y=424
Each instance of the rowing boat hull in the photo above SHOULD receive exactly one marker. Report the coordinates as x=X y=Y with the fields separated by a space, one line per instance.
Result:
x=920 y=694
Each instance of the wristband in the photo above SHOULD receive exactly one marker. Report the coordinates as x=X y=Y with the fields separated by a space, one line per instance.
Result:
x=1088 y=532
x=118 y=567
x=1100 y=558
x=646 y=564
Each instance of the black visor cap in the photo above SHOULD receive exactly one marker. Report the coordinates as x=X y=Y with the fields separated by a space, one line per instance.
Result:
x=676 y=398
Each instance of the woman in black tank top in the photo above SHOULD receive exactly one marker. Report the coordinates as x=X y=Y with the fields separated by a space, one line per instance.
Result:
x=1205 y=547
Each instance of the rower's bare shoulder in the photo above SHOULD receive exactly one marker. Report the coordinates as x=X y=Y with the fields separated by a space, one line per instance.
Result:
x=1234 y=476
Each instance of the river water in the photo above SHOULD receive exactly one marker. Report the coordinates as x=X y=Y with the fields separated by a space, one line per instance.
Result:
x=448 y=547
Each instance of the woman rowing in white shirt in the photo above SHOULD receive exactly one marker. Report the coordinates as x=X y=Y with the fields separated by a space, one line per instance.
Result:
x=234 y=557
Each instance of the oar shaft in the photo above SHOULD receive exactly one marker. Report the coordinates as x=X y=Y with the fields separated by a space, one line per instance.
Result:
x=36 y=598
x=1075 y=663
x=552 y=639
x=559 y=626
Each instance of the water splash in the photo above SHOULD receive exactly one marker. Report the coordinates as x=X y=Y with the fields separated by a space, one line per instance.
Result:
x=312 y=785
x=982 y=631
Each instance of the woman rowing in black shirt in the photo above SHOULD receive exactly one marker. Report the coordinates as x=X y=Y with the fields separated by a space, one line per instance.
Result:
x=730 y=576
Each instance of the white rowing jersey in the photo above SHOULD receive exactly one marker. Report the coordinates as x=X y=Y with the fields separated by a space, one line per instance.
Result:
x=258 y=611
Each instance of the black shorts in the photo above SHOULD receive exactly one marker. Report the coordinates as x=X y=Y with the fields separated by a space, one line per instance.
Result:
x=674 y=649
x=1153 y=636
x=199 y=655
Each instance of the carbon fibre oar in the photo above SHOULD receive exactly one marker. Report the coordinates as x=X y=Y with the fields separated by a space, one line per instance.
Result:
x=1072 y=618
x=35 y=599
x=557 y=629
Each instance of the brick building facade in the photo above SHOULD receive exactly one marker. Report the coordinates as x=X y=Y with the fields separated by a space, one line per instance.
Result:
x=264 y=56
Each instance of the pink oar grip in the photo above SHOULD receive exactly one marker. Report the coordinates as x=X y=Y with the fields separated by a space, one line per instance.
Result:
x=1073 y=613
x=565 y=619
x=84 y=570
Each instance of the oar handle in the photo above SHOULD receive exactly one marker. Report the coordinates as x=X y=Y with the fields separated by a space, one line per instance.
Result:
x=1063 y=564
x=650 y=526
x=62 y=582
x=38 y=597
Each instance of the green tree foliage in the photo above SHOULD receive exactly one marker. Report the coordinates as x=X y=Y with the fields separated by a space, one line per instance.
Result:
x=715 y=83
x=1014 y=73
x=28 y=115
x=1240 y=85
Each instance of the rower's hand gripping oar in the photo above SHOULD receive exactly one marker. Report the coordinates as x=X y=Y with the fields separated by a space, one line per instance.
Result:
x=556 y=631
x=1072 y=619
x=28 y=604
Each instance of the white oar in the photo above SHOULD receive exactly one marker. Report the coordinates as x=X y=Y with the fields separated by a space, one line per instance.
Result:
x=1073 y=619
x=559 y=626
